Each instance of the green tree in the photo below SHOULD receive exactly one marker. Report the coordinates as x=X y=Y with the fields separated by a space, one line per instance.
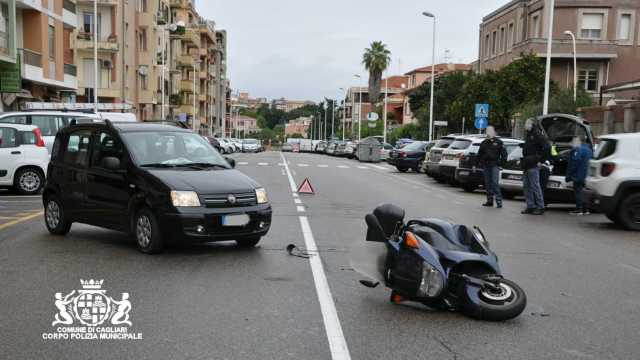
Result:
x=376 y=60
x=560 y=101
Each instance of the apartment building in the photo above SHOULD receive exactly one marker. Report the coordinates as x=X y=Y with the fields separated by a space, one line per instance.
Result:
x=9 y=64
x=42 y=40
x=607 y=39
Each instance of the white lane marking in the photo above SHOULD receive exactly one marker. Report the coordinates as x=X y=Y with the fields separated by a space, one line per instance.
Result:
x=297 y=201
x=263 y=164
x=280 y=164
x=362 y=167
x=300 y=208
x=337 y=342
x=303 y=165
x=379 y=167
x=295 y=195
x=343 y=166
x=243 y=163
x=323 y=166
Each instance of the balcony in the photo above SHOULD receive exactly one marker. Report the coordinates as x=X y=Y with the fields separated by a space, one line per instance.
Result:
x=100 y=2
x=185 y=60
x=69 y=17
x=162 y=18
x=182 y=4
x=84 y=41
x=186 y=86
x=192 y=37
x=202 y=97
x=32 y=69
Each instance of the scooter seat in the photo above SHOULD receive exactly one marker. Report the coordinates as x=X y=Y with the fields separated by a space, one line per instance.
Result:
x=435 y=238
x=458 y=237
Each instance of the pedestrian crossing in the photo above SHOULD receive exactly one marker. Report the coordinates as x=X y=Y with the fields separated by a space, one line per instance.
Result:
x=321 y=166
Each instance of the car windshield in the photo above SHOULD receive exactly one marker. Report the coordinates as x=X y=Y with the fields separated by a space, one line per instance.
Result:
x=414 y=146
x=605 y=148
x=443 y=143
x=172 y=149
x=249 y=141
x=460 y=144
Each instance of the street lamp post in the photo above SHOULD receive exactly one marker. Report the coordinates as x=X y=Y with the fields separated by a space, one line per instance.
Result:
x=193 y=122
x=575 y=66
x=359 y=106
x=433 y=73
x=384 y=110
x=324 y=132
x=547 y=77
x=95 y=55
x=344 y=111
x=333 y=116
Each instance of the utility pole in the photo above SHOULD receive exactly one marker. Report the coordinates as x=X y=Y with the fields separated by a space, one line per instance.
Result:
x=333 y=116
x=384 y=110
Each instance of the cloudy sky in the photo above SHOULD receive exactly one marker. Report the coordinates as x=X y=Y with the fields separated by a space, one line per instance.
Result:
x=307 y=50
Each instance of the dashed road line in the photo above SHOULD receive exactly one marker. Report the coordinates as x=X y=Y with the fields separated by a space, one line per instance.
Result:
x=323 y=166
x=335 y=336
x=263 y=164
x=300 y=208
x=343 y=166
x=303 y=165
x=297 y=201
x=243 y=163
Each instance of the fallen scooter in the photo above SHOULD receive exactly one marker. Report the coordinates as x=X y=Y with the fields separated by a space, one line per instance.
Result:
x=436 y=263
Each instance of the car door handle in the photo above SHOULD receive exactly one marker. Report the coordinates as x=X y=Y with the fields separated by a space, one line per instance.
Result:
x=16 y=152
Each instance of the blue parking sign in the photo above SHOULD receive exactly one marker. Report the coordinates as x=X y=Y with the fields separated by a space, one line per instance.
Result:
x=481 y=123
x=482 y=110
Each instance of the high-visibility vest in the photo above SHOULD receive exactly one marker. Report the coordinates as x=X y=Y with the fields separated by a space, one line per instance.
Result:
x=554 y=150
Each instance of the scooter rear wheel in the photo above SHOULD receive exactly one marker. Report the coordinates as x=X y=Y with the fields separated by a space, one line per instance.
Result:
x=507 y=302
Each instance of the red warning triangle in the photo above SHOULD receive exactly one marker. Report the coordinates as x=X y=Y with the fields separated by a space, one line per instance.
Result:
x=306 y=188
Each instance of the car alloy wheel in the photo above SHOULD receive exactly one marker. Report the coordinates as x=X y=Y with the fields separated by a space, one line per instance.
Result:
x=52 y=214
x=29 y=181
x=143 y=231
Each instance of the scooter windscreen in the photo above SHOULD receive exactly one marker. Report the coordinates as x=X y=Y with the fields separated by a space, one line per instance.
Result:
x=368 y=259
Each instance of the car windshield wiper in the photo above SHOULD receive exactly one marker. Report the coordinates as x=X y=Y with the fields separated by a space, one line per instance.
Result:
x=203 y=165
x=158 y=165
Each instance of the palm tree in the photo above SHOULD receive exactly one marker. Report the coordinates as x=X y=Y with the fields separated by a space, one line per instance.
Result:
x=376 y=60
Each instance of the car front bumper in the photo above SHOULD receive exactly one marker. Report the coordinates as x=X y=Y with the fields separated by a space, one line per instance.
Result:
x=205 y=224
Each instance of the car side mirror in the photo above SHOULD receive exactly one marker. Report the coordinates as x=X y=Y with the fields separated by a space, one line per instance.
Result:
x=231 y=162
x=110 y=163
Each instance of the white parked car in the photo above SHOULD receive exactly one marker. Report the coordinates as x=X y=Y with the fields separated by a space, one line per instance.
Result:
x=49 y=122
x=613 y=184
x=450 y=161
x=23 y=158
x=250 y=145
x=226 y=145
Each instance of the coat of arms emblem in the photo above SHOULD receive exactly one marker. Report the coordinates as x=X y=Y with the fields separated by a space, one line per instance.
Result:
x=90 y=306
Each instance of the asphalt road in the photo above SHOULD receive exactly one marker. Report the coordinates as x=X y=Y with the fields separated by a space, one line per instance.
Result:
x=581 y=275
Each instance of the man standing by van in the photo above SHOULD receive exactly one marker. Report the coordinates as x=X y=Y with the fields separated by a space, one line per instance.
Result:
x=534 y=153
x=491 y=154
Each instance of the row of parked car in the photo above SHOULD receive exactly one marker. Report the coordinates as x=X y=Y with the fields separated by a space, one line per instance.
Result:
x=613 y=185
x=233 y=145
x=341 y=148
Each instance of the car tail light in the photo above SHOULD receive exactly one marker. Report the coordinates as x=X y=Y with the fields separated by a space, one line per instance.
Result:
x=39 y=139
x=402 y=154
x=607 y=169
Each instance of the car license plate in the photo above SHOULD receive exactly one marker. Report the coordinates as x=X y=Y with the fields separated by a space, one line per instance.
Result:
x=235 y=220
x=514 y=177
x=463 y=173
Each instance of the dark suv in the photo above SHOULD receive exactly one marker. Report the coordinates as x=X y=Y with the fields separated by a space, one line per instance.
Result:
x=161 y=184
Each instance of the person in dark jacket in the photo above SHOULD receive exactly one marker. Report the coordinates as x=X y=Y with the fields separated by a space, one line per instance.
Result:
x=491 y=155
x=577 y=172
x=534 y=153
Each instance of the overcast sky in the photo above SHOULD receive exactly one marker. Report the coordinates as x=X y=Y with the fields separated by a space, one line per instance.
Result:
x=307 y=50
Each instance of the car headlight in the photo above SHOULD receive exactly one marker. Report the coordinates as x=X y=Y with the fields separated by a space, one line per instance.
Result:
x=432 y=281
x=261 y=195
x=184 y=199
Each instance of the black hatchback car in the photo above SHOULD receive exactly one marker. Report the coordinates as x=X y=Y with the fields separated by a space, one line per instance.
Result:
x=161 y=184
x=410 y=156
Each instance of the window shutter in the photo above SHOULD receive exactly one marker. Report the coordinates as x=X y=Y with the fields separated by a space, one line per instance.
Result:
x=592 y=21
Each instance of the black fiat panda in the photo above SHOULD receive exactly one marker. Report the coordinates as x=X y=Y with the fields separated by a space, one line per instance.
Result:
x=160 y=183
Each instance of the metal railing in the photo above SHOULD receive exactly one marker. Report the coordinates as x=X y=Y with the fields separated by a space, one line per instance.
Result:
x=70 y=70
x=69 y=6
x=32 y=58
